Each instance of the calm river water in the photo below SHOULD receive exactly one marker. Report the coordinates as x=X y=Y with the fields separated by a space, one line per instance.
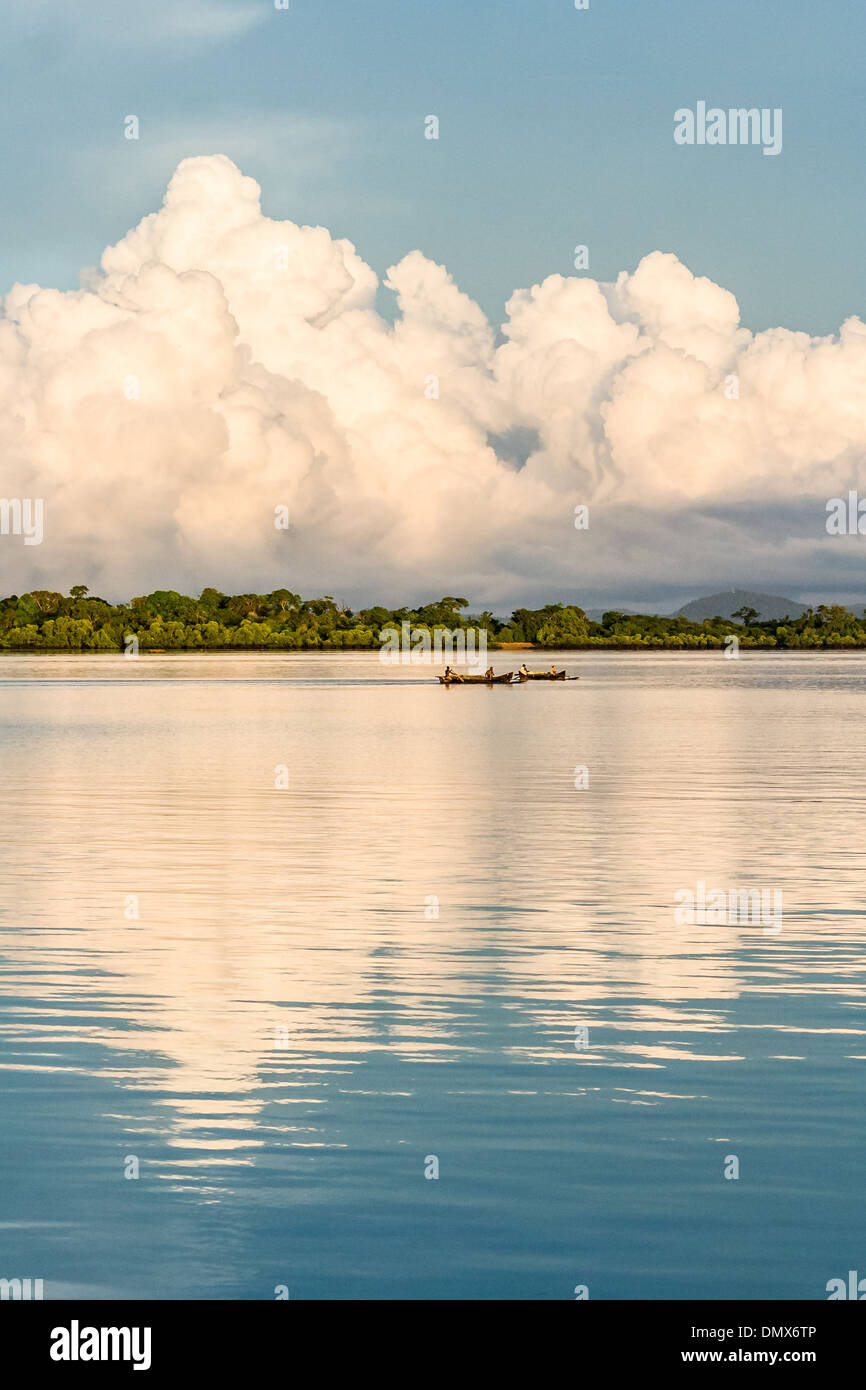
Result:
x=287 y=934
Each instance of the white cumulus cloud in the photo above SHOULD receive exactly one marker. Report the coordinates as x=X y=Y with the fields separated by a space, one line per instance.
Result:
x=220 y=364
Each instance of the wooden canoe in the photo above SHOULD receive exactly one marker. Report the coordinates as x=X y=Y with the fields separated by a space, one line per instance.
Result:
x=540 y=676
x=477 y=680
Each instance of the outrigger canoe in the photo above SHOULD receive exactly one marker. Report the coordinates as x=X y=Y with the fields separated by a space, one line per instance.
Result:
x=477 y=680
x=541 y=675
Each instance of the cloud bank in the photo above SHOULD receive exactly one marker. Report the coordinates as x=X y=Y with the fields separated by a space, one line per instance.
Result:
x=220 y=364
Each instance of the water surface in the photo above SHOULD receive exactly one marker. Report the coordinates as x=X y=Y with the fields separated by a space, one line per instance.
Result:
x=389 y=959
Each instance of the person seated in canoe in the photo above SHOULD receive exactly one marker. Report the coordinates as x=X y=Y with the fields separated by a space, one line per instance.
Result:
x=524 y=670
x=488 y=674
x=449 y=674
x=553 y=668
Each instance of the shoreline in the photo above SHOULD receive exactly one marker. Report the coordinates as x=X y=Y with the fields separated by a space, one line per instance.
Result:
x=304 y=652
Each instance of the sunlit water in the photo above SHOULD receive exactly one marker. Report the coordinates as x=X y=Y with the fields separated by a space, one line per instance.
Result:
x=287 y=1033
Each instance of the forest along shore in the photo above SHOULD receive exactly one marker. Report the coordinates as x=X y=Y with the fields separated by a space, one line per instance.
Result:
x=283 y=621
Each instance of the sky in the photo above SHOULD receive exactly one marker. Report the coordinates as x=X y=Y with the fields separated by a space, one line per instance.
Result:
x=555 y=129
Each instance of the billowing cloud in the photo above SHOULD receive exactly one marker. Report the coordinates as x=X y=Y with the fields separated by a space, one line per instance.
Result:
x=220 y=365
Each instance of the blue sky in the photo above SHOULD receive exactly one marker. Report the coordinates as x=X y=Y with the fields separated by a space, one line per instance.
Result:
x=556 y=128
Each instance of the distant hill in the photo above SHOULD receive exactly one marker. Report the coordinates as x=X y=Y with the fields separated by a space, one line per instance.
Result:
x=723 y=605
x=727 y=604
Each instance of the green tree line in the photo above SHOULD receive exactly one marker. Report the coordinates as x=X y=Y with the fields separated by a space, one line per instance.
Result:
x=168 y=621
